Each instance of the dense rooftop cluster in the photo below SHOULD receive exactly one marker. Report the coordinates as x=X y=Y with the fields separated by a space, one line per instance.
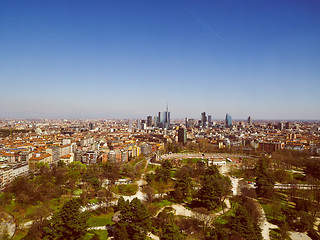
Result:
x=26 y=143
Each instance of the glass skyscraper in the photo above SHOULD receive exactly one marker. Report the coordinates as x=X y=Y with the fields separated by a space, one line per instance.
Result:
x=164 y=119
x=228 y=120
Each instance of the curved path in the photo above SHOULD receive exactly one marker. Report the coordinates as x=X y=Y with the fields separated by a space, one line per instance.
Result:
x=7 y=224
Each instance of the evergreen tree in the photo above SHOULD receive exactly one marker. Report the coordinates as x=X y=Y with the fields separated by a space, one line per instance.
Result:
x=171 y=232
x=69 y=223
x=243 y=225
x=134 y=221
x=214 y=188
x=264 y=181
x=217 y=233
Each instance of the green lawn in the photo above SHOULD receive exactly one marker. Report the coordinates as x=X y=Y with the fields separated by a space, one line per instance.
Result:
x=77 y=192
x=126 y=189
x=19 y=234
x=192 y=160
x=101 y=220
x=163 y=203
x=152 y=167
x=94 y=200
x=103 y=234
x=10 y=208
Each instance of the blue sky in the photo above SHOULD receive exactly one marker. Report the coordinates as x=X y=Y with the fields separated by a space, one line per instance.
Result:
x=128 y=59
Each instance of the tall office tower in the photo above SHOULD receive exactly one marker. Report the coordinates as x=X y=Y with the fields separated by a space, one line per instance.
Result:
x=228 y=120
x=164 y=119
x=130 y=125
x=203 y=119
x=91 y=126
x=287 y=125
x=159 y=117
x=143 y=124
x=186 y=122
x=182 y=135
x=249 y=120
x=209 y=120
x=156 y=121
x=190 y=123
x=280 y=126
x=149 y=121
x=138 y=124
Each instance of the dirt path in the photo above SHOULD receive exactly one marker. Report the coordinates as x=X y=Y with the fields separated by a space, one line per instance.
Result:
x=265 y=225
x=7 y=224
x=299 y=236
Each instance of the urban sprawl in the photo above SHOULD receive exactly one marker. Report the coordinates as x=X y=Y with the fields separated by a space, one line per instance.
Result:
x=28 y=145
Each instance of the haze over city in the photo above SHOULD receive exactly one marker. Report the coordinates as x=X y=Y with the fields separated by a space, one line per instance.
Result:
x=128 y=59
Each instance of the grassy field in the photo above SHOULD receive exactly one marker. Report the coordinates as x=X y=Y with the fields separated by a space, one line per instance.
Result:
x=151 y=167
x=103 y=234
x=192 y=160
x=126 y=189
x=19 y=234
x=100 y=220
x=163 y=203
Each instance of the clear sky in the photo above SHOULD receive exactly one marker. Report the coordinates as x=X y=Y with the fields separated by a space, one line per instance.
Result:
x=128 y=59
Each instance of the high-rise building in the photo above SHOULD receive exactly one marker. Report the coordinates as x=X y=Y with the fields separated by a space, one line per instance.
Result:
x=228 y=120
x=164 y=119
x=203 y=119
x=182 y=135
x=209 y=120
x=138 y=124
x=149 y=121
x=280 y=126
x=190 y=123
x=130 y=125
x=287 y=125
x=249 y=120
x=143 y=124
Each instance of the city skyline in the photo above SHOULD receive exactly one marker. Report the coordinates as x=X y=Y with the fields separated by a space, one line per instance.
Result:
x=127 y=59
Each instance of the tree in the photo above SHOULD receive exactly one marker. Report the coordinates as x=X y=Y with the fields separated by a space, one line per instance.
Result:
x=264 y=181
x=246 y=191
x=68 y=223
x=183 y=188
x=163 y=174
x=134 y=221
x=242 y=224
x=5 y=235
x=149 y=191
x=171 y=232
x=95 y=237
x=111 y=172
x=253 y=208
x=214 y=188
x=217 y=233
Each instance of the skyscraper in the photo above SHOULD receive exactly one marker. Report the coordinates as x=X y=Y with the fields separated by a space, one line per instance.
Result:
x=280 y=126
x=130 y=125
x=228 y=120
x=209 y=120
x=182 y=135
x=203 y=119
x=249 y=120
x=138 y=124
x=164 y=119
x=190 y=123
x=149 y=121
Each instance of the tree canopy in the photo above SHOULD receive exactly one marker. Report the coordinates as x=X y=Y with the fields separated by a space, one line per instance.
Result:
x=135 y=221
x=69 y=223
